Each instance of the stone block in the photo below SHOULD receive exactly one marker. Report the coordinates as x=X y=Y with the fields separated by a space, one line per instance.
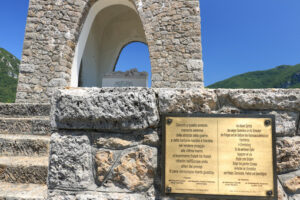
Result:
x=86 y=195
x=115 y=109
x=186 y=100
x=130 y=170
x=288 y=154
x=136 y=169
x=24 y=145
x=41 y=127
x=105 y=160
x=115 y=142
x=227 y=110
x=58 y=82
x=294 y=197
x=151 y=139
x=70 y=162
x=30 y=126
x=131 y=78
x=27 y=68
x=195 y=65
x=261 y=99
x=188 y=84
x=291 y=182
x=293 y=185
x=23 y=169
x=15 y=126
x=12 y=191
x=120 y=141
x=281 y=193
x=286 y=122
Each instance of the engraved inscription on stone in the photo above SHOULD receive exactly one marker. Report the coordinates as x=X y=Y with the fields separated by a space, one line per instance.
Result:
x=131 y=78
x=219 y=156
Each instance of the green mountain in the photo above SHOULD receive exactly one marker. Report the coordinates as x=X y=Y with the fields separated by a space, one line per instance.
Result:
x=284 y=76
x=9 y=71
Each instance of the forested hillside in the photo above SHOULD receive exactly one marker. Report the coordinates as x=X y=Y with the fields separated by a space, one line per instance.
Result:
x=284 y=76
x=9 y=71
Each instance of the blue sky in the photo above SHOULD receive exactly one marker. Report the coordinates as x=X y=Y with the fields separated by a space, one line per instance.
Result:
x=237 y=35
x=13 y=15
x=246 y=35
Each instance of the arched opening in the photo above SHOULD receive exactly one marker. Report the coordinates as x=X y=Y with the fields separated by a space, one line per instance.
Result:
x=135 y=55
x=110 y=25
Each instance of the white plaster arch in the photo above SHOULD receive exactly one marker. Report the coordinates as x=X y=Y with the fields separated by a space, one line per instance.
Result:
x=97 y=8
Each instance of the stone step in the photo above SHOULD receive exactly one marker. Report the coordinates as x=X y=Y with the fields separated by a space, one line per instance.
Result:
x=9 y=191
x=24 y=110
x=24 y=169
x=29 y=126
x=24 y=145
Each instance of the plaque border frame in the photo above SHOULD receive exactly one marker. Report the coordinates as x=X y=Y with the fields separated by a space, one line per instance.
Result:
x=212 y=196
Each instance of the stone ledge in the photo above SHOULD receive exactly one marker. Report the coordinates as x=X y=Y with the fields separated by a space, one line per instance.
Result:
x=290 y=182
x=24 y=145
x=127 y=109
x=84 y=195
x=186 y=100
x=70 y=162
x=24 y=110
x=260 y=99
x=26 y=126
x=111 y=109
x=23 y=191
x=24 y=169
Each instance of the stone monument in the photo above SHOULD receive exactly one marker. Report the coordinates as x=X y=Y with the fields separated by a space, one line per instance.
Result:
x=67 y=42
x=106 y=143
x=130 y=78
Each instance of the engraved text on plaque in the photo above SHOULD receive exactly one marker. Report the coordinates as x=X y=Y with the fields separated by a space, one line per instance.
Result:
x=219 y=156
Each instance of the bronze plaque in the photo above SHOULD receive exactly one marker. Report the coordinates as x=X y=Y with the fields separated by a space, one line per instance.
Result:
x=217 y=155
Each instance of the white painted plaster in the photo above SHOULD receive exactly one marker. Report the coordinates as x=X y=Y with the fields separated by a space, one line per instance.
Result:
x=109 y=26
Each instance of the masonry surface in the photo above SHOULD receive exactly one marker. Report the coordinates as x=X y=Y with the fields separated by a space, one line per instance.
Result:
x=171 y=29
x=106 y=143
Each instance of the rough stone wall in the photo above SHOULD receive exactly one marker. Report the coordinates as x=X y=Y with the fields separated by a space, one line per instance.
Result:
x=172 y=29
x=106 y=143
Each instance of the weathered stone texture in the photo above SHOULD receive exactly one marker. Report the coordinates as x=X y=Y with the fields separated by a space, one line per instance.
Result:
x=172 y=29
x=10 y=191
x=286 y=122
x=104 y=162
x=136 y=169
x=121 y=141
x=21 y=174
x=186 y=100
x=290 y=182
x=288 y=154
x=130 y=170
x=12 y=145
x=293 y=185
x=23 y=169
x=105 y=109
x=61 y=195
x=24 y=151
x=124 y=156
x=114 y=143
x=294 y=197
x=261 y=99
x=281 y=193
x=24 y=110
x=30 y=126
x=70 y=162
